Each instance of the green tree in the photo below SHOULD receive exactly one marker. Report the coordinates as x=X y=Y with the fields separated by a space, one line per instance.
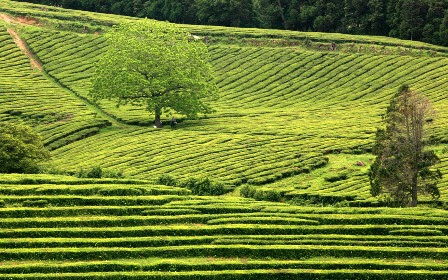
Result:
x=21 y=149
x=402 y=168
x=156 y=65
x=444 y=30
x=225 y=12
x=411 y=16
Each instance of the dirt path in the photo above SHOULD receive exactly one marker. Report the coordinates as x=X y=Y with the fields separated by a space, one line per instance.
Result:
x=21 y=44
x=19 y=20
x=35 y=63
x=7 y=18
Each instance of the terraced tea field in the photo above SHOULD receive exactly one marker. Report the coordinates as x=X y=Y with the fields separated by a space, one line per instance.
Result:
x=28 y=96
x=61 y=228
x=295 y=122
x=282 y=111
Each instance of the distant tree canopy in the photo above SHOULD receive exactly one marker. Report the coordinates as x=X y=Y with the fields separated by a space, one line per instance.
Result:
x=421 y=20
x=21 y=149
x=155 y=65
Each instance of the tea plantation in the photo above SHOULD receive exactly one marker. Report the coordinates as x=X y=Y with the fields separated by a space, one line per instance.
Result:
x=290 y=141
x=111 y=229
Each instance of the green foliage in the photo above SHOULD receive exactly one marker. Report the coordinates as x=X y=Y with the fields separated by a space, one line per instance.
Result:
x=336 y=177
x=97 y=172
x=260 y=194
x=203 y=186
x=403 y=166
x=154 y=65
x=118 y=231
x=167 y=180
x=408 y=19
x=21 y=149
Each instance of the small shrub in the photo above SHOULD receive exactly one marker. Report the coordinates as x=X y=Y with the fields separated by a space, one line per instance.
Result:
x=95 y=172
x=272 y=195
x=204 y=186
x=247 y=191
x=259 y=195
x=167 y=180
x=108 y=173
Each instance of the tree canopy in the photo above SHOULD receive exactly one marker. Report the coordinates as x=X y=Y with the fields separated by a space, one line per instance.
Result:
x=403 y=166
x=21 y=149
x=423 y=20
x=156 y=65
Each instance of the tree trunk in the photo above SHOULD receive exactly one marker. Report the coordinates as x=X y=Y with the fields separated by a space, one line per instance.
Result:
x=157 y=121
x=414 y=201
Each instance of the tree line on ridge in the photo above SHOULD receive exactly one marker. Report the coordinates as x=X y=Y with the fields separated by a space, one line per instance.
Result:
x=421 y=20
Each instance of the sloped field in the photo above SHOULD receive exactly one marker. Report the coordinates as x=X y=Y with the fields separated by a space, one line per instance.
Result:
x=28 y=96
x=64 y=229
x=283 y=112
x=293 y=118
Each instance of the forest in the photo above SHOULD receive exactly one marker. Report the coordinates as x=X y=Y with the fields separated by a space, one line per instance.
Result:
x=421 y=20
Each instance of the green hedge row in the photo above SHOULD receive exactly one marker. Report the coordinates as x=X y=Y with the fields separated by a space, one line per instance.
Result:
x=137 y=242
x=105 y=190
x=204 y=240
x=262 y=220
x=172 y=266
x=290 y=252
x=195 y=230
x=278 y=274
x=122 y=210
x=332 y=242
x=124 y=221
x=73 y=211
x=90 y=201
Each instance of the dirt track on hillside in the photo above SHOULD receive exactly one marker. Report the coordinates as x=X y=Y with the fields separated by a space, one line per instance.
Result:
x=21 y=44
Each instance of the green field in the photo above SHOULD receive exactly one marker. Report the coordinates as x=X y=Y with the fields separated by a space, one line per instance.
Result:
x=293 y=117
x=107 y=229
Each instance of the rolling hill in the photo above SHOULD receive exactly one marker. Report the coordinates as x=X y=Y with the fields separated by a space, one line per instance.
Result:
x=288 y=103
x=295 y=117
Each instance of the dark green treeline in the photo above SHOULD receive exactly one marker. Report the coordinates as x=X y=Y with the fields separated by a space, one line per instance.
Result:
x=422 y=20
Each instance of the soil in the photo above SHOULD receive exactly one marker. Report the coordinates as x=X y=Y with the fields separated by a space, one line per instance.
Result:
x=19 y=20
x=21 y=44
x=7 y=18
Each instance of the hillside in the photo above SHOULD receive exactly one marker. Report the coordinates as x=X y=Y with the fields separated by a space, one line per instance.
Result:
x=56 y=227
x=295 y=123
x=288 y=104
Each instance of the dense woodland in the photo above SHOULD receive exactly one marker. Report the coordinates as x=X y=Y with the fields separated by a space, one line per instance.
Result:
x=422 y=20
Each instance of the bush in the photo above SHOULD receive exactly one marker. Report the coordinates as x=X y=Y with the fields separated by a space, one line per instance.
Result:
x=97 y=172
x=108 y=173
x=247 y=191
x=21 y=149
x=268 y=195
x=204 y=186
x=272 y=195
x=167 y=180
